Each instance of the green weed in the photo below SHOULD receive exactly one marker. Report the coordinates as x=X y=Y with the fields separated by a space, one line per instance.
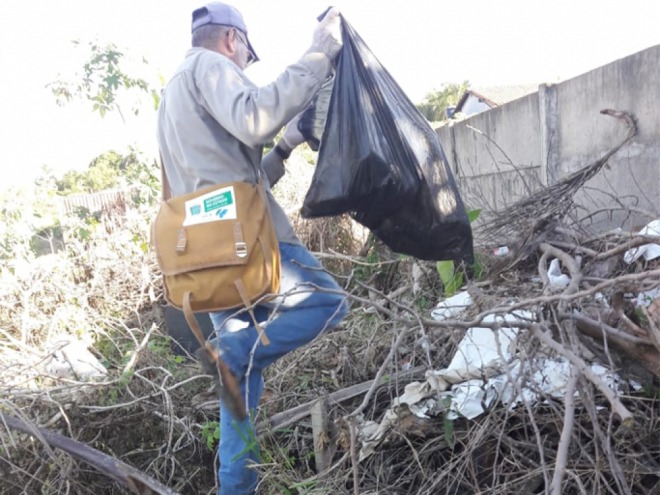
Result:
x=451 y=276
x=211 y=434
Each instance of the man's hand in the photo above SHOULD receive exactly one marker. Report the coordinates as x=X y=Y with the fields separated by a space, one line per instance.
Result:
x=327 y=35
x=273 y=161
x=273 y=165
x=292 y=136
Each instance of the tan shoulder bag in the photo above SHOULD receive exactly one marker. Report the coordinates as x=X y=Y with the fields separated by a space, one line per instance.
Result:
x=217 y=249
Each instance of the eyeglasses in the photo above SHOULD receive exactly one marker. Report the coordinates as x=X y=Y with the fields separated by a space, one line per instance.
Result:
x=252 y=58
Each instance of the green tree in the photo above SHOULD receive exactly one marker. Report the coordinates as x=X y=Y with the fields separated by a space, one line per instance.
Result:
x=99 y=176
x=108 y=86
x=103 y=80
x=113 y=170
x=434 y=105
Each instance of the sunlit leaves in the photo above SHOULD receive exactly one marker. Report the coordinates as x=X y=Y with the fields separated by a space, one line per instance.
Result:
x=104 y=82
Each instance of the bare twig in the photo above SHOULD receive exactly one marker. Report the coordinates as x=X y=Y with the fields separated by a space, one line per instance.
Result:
x=654 y=331
x=625 y=416
x=354 y=459
x=566 y=433
x=130 y=365
x=596 y=329
x=636 y=241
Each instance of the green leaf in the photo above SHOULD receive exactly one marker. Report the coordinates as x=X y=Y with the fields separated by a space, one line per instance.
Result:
x=473 y=214
x=446 y=271
x=451 y=280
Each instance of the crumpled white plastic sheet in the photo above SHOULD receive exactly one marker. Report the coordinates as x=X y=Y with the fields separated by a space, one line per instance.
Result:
x=473 y=371
x=650 y=251
x=452 y=306
x=483 y=373
x=479 y=355
x=71 y=359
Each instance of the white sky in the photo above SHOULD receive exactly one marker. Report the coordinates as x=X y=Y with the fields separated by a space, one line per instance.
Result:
x=422 y=43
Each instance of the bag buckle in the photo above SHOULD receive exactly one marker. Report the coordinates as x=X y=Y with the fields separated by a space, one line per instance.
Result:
x=241 y=249
x=181 y=241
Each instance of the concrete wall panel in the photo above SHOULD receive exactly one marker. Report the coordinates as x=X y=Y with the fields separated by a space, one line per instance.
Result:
x=555 y=132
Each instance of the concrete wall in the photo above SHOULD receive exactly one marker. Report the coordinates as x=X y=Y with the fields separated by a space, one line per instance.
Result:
x=502 y=155
x=496 y=155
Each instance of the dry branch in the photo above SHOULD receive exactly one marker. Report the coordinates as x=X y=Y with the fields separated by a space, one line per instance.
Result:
x=295 y=414
x=566 y=434
x=654 y=331
x=618 y=408
x=522 y=224
x=127 y=476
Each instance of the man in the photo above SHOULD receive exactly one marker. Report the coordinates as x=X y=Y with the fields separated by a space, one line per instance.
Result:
x=212 y=125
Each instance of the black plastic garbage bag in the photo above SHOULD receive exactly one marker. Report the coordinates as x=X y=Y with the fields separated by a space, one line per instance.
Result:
x=380 y=161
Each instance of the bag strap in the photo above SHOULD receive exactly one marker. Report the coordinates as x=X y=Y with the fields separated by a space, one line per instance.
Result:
x=166 y=191
x=246 y=301
x=211 y=352
x=197 y=331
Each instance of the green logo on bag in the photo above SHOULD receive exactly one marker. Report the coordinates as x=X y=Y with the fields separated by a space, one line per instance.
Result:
x=218 y=201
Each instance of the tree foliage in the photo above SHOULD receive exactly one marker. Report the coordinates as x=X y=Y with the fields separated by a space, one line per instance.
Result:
x=435 y=104
x=109 y=87
x=113 y=170
x=103 y=81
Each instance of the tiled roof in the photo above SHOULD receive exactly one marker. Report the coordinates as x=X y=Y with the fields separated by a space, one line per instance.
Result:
x=499 y=95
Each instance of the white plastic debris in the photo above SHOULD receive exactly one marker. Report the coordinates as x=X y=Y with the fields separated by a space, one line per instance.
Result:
x=474 y=397
x=482 y=347
x=71 y=359
x=645 y=298
x=501 y=251
x=373 y=433
x=452 y=306
x=600 y=298
x=558 y=280
x=478 y=355
x=485 y=371
x=414 y=392
x=650 y=251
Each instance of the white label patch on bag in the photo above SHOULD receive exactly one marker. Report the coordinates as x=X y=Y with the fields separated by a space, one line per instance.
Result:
x=216 y=205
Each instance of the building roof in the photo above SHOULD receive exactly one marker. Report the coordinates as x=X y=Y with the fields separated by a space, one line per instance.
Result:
x=495 y=96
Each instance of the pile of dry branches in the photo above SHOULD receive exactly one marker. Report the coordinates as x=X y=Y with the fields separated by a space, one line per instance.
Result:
x=597 y=439
x=149 y=423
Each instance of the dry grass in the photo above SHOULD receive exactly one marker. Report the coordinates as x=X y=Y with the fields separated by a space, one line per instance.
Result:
x=150 y=411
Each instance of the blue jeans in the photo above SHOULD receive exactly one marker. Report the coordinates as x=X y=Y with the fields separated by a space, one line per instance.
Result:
x=302 y=311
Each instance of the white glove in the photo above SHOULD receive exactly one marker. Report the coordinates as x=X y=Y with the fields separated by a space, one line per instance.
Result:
x=327 y=35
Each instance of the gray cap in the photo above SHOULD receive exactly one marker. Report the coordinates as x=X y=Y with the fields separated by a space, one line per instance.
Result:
x=224 y=15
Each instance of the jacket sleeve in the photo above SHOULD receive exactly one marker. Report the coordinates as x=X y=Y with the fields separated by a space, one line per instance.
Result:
x=254 y=115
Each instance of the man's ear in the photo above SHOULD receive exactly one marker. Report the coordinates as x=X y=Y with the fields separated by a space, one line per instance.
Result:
x=230 y=41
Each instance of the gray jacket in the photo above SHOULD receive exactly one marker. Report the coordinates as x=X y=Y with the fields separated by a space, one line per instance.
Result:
x=213 y=122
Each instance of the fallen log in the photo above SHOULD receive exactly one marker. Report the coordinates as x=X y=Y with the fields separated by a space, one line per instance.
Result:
x=127 y=476
x=290 y=416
